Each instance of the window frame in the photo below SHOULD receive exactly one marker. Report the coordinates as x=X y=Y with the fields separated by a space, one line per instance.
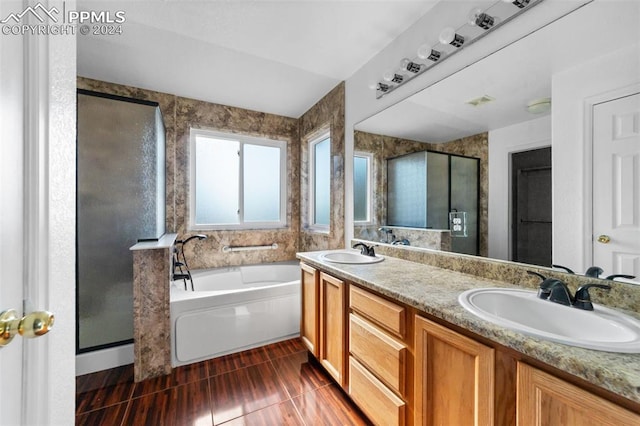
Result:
x=369 y=157
x=242 y=140
x=316 y=139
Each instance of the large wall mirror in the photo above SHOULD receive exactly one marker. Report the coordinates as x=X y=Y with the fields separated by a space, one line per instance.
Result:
x=532 y=114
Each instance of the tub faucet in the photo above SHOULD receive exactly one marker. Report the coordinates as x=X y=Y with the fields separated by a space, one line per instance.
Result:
x=181 y=265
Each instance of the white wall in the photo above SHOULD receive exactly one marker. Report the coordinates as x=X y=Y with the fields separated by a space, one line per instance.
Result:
x=574 y=92
x=503 y=142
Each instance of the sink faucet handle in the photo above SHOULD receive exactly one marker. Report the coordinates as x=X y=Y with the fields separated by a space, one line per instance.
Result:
x=582 y=300
x=625 y=276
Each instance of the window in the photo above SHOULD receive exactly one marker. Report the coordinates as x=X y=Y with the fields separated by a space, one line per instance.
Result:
x=320 y=181
x=237 y=182
x=362 y=187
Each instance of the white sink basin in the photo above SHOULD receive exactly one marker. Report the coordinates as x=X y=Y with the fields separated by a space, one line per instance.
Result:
x=349 y=257
x=602 y=329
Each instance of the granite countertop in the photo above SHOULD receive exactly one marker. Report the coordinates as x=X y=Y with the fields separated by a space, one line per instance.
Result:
x=435 y=291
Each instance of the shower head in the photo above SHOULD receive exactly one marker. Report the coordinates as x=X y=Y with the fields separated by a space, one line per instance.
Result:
x=197 y=236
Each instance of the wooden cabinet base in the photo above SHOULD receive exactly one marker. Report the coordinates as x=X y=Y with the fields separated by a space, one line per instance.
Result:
x=545 y=400
x=381 y=405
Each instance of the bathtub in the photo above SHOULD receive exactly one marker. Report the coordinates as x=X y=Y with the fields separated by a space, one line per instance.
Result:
x=233 y=309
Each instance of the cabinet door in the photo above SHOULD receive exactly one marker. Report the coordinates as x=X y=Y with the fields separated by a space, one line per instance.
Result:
x=309 y=326
x=454 y=377
x=546 y=400
x=332 y=326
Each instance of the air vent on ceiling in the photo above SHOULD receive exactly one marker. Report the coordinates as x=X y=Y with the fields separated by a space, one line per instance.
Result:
x=484 y=99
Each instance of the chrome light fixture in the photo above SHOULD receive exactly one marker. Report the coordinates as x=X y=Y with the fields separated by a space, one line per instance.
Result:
x=451 y=40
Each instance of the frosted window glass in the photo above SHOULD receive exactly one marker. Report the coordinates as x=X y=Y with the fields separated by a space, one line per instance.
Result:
x=360 y=188
x=261 y=183
x=322 y=181
x=217 y=184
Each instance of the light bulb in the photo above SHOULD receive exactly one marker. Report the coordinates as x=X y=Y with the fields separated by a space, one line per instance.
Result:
x=426 y=52
x=481 y=19
x=449 y=36
x=409 y=66
x=392 y=77
x=473 y=15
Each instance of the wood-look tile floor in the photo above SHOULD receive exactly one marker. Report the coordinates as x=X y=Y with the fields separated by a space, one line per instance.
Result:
x=271 y=385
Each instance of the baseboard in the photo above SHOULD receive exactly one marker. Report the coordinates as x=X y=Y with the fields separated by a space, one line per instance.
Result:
x=104 y=359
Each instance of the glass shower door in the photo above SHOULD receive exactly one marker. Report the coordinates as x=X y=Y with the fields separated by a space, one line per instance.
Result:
x=120 y=200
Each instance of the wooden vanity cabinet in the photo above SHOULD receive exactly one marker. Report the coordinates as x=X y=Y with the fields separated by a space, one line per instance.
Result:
x=401 y=368
x=454 y=377
x=310 y=297
x=546 y=400
x=332 y=345
x=378 y=357
x=323 y=320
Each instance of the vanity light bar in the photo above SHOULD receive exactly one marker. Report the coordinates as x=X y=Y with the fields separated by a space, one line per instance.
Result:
x=452 y=40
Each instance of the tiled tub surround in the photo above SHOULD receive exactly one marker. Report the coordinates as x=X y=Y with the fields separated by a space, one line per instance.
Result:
x=327 y=113
x=180 y=114
x=151 y=312
x=383 y=147
x=434 y=290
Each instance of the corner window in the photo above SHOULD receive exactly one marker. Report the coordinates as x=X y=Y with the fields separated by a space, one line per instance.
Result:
x=320 y=181
x=237 y=182
x=362 y=187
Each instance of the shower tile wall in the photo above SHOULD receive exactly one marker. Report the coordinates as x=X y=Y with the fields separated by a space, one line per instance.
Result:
x=182 y=113
x=384 y=147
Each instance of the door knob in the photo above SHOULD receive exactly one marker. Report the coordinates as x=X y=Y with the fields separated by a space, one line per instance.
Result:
x=36 y=324
x=31 y=325
x=604 y=239
x=9 y=324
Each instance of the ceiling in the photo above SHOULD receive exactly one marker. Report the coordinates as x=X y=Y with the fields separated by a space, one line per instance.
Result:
x=279 y=57
x=514 y=76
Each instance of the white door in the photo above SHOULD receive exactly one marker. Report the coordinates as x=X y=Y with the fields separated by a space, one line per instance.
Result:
x=11 y=218
x=37 y=221
x=616 y=186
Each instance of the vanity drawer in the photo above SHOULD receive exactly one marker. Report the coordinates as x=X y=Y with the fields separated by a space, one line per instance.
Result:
x=386 y=314
x=379 y=404
x=382 y=354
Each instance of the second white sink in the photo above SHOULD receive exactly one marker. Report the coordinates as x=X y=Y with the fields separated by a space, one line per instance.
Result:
x=602 y=329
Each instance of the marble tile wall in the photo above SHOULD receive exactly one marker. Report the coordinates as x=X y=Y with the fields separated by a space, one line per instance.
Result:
x=208 y=253
x=384 y=147
x=327 y=113
x=433 y=239
x=180 y=114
